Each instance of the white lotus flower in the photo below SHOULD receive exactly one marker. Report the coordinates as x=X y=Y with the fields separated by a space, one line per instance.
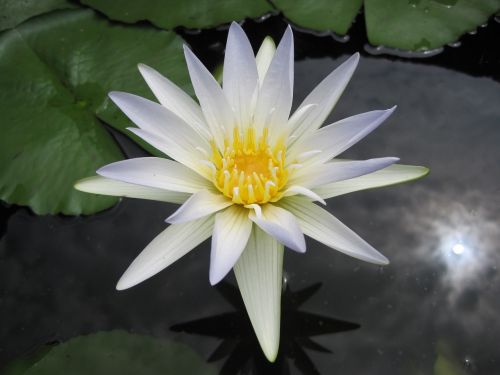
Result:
x=245 y=172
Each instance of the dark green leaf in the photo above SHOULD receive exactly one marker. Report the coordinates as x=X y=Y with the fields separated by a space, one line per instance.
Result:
x=168 y=14
x=419 y=25
x=56 y=72
x=13 y=12
x=322 y=15
x=116 y=353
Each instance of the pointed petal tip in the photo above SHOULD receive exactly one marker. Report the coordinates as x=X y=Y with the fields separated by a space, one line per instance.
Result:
x=78 y=184
x=121 y=98
x=375 y=257
x=381 y=260
x=271 y=353
x=289 y=33
x=299 y=245
x=186 y=49
x=300 y=190
x=354 y=59
x=350 y=64
x=83 y=185
x=233 y=25
x=214 y=279
x=268 y=40
x=113 y=95
x=388 y=161
x=188 y=54
x=173 y=219
x=101 y=171
x=145 y=69
x=124 y=283
x=422 y=172
x=301 y=248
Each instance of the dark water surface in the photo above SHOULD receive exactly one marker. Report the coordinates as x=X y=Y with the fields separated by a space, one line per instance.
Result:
x=430 y=308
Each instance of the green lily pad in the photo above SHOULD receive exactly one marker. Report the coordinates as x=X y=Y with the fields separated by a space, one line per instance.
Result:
x=56 y=72
x=328 y=15
x=13 y=12
x=115 y=353
x=168 y=14
x=414 y=25
x=420 y=25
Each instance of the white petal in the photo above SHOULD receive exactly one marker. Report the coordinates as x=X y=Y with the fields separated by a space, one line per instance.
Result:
x=217 y=112
x=188 y=157
x=275 y=97
x=265 y=56
x=326 y=95
x=319 y=224
x=259 y=276
x=240 y=74
x=155 y=118
x=198 y=205
x=282 y=225
x=155 y=172
x=176 y=138
x=107 y=186
x=296 y=189
x=322 y=174
x=231 y=232
x=339 y=136
x=299 y=116
x=305 y=156
x=171 y=244
x=392 y=175
x=175 y=99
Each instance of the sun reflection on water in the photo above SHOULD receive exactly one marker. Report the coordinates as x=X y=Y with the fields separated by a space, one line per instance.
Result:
x=459 y=239
x=458 y=248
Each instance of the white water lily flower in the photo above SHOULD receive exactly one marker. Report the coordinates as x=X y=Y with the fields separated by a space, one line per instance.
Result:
x=245 y=171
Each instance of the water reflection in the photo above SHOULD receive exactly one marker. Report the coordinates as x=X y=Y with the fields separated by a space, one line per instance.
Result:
x=239 y=347
x=460 y=238
x=458 y=248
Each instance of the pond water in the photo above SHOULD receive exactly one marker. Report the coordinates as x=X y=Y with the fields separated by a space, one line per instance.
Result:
x=433 y=310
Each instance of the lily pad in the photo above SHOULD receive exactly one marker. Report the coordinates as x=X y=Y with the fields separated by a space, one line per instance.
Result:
x=56 y=72
x=168 y=14
x=13 y=12
x=414 y=25
x=420 y=25
x=328 y=15
x=115 y=352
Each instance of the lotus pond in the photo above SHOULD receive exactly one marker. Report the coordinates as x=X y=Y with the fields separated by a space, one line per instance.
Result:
x=433 y=310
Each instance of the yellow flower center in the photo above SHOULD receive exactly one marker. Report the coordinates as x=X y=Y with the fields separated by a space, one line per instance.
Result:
x=249 y=170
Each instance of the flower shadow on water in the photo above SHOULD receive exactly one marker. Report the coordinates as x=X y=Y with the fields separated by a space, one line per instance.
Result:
x=239 y=347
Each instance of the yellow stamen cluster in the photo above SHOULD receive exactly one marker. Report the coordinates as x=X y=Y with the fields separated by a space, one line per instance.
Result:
x=249 y=170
